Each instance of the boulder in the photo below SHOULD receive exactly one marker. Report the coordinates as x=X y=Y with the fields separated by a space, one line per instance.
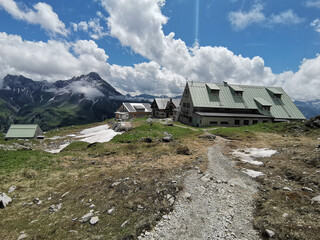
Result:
x=4 y=200
x=313 y=122
x=94 y=220
x=209 y=136
x=87 y=217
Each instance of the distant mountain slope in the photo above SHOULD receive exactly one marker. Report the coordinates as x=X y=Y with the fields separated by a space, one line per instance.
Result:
x=80 y=100
x=309 y=109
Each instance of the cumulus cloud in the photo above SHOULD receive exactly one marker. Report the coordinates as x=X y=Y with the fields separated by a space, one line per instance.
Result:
x=240 y=20
x=138 y=25
x=288 y=17
x=82 y=87
x=42 y=15
x=313 y=3
x=92 y=27
x=316 y=25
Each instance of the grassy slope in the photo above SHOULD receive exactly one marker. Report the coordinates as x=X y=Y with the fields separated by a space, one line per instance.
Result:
x=139 y=167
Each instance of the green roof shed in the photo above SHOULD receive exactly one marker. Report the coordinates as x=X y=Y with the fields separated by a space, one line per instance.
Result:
x=24 y=131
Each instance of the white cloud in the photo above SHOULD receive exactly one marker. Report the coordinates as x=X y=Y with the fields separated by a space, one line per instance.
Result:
x=240 y=20
x=93 y=27
x=288 y=17
x=42 y=15
x=139 y=26
x=316 y=24
x=313 y=3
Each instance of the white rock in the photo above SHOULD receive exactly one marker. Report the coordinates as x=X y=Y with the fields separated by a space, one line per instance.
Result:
x=86 y=217
x=92 y=206
x=4 y=200
x=65 y=194
x=270 y=233
x=110 y=211
x=12 y=188
x=22 y=236
x=124 y=223
x=287 y=189
x=285 y=215
x=94 y=220
x=187 y=195
x=316 y=199
x=306 y=189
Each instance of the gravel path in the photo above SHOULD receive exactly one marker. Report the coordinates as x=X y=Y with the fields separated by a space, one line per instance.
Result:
x=217 y=204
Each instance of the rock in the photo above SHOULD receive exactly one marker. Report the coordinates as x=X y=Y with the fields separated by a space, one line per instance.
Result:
x=187 y=196
x=183 y=150
x=167 y=139
x=306 y=189
x=92 y=206
x=22 y=236
x=114 y=184
x=287 y=189
x=110 y=211
x=285 y=215
x=205 y=178
x=94 y=220
x=37 y=201
x=124 y=223
x=12 y=188
x=316 y=199
x=269 y=233
x=313 y=122
x=65 y=194
x=208 y=136
x=148 y=140
x=4 y=200
x=169 y=124
x=86 y=218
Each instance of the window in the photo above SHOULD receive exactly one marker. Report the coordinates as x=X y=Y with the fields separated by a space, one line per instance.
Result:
x=213 y=122
x=245 y=122
x=236 y=122
x=214 y=91
x=267 y=108
x=224 y=123
x=265 y=121
x=277 y=96
x=184 y=104
x=254 y=121
x=188 y=105
x=238 y=93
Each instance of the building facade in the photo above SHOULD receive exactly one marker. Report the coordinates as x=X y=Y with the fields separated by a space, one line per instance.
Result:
x=164 y=107
x=208 y=104
x=133 y=110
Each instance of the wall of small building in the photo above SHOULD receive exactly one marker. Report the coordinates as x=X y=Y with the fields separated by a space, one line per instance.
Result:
x=224 y=121
x=139 y=114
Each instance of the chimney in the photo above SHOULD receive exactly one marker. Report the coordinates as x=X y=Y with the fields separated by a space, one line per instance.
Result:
x=225 y=83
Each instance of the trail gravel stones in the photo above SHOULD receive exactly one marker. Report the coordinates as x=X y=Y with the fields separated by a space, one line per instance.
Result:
x=215 y=205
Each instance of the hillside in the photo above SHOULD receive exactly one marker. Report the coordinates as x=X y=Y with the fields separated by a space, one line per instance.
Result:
x=137 y=181
x=84 y=99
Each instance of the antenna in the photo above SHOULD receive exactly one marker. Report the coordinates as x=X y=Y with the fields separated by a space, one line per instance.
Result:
x=185 y=84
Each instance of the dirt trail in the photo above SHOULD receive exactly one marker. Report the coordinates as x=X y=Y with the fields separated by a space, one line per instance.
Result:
x=217 y=204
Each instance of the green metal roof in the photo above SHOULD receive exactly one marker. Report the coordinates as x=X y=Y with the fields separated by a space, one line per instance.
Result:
x=212 y=86
x=22 y=131
x=236 y=88
x=262 y=102
x=282 y=108
x=274 y=90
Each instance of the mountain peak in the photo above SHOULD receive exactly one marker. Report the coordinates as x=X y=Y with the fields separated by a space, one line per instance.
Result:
x=94 y=75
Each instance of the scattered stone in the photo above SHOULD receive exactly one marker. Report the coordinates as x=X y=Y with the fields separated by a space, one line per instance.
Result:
x=55 y=208
x=208 y=136
x=4 y=200
x=65 y=194
x=148 y=140
x=110 y=211
x=187 y=196
x=140 y=207
x=92 y=206
x=205 y=178
x=114 y=184
x=287 y=189
x=316 y=199
x=167 y=139
x=285 y=215
x=124 y=223
x=86 y=218
x=12 y=188
x=269 y=233
x=307 y=189
x=37 y=201
x=166 y=217
x=22 y=236
x=94 y=220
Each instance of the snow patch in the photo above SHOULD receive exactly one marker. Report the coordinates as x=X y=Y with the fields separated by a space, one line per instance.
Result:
x=91 y=135
x=252 y=173
x=247 y=155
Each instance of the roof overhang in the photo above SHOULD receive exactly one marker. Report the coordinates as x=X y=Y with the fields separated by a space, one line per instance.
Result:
x=231 y=115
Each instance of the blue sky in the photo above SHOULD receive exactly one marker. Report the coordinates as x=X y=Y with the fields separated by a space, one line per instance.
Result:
x=152 y=46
